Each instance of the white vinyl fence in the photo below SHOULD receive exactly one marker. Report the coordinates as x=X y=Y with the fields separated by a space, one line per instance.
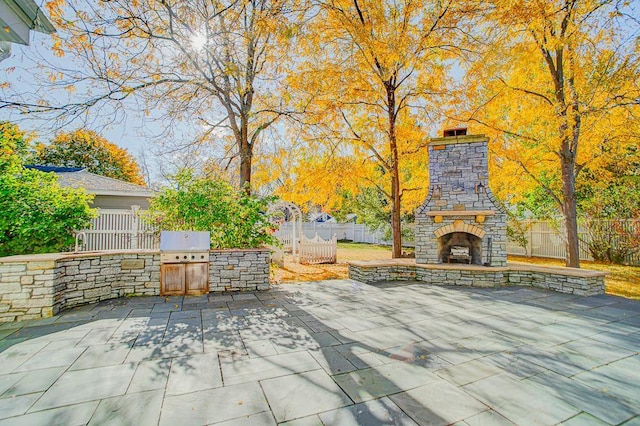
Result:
x=286 y=240
x=355 y=232
x=547 y=239
x=317 y=250
x=118 y=230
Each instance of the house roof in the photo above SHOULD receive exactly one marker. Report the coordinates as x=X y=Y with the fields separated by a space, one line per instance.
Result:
x=73 y=177
x=54 y=169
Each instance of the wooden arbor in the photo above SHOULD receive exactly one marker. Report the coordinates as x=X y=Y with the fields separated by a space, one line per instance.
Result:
x=290 y=241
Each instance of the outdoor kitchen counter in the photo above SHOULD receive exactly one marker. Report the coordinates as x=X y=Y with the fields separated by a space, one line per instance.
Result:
x=45 y=257
x=41 y=285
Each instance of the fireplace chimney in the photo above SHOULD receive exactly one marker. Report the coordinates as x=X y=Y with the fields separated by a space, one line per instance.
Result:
x=460 y=210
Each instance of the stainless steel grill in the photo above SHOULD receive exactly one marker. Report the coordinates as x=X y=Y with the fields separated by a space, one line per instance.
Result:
x=184 y=243
x=184 y=262
x=184 y=246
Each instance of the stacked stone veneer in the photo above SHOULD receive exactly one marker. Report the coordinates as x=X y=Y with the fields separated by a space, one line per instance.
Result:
x=40 y=286
x=456 y=166
x=563 y=280
x=234 y=270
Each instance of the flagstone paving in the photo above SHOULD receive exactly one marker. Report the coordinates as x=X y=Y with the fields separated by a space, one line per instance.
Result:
x=334 y=353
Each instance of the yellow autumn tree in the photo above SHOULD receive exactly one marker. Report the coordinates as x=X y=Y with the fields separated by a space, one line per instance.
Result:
x=557 y=88
x=373 y=73
x=87 y=149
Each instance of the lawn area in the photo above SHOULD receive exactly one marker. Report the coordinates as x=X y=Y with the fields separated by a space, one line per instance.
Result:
x=622 y=280
x=346 y=251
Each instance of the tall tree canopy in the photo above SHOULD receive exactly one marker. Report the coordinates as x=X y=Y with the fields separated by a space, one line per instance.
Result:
x=214 y=64
x=87 y=149
x=373 y=67
x=558 y=87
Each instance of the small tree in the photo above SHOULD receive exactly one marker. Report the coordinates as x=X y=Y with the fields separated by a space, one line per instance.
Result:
x=517 y=232
x=86 y=148
x=613 y=223
x=14 y=144
x=36 y=214
x=234 y=218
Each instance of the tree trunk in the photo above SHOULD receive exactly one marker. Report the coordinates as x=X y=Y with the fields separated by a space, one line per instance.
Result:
x=245 y=154
x=245 y=168
x=396 y=230
x=569 y=210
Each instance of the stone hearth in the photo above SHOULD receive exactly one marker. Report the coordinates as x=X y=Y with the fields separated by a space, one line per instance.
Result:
x=460 y=209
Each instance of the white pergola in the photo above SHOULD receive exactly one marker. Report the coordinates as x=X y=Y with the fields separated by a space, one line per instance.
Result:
x=296 y=218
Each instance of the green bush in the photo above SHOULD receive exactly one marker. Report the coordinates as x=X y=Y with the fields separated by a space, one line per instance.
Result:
x=36 y=214
x=613 y=222
x=234 y=219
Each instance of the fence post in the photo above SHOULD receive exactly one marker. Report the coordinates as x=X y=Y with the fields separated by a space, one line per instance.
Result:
x=529 y=225
x=134 y=226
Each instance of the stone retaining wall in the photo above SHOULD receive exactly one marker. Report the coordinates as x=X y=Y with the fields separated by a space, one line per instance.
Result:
x=564 y=280
x=109 y=276
x=233 y=270
x=464 y=277
x=39 y=286
x=582 y=283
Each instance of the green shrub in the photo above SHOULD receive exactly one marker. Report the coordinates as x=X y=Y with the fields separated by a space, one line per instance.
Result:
x=36 y=214
x=234 y=219
x=613 y=222
x=517 y=231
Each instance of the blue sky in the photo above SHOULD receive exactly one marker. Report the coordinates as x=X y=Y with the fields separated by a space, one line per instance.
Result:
x=128 y=128
x=128 y=134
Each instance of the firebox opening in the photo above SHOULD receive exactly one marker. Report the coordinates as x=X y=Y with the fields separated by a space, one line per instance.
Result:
x=460 y=247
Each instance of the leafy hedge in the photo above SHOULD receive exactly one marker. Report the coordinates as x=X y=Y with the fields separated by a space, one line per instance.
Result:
x=234 y=219
x=36 y=214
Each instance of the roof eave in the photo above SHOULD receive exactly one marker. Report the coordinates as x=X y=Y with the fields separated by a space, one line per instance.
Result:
x=32 y=15
x=121 y=193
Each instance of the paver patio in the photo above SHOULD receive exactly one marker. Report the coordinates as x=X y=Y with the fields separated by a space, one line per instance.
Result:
x=333 y=352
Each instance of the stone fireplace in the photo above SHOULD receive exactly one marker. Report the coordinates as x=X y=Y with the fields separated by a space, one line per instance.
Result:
x=460 y=247
x=460 y=221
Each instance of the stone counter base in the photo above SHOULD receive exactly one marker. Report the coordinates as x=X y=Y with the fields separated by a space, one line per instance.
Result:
x=564 y=280
x=40 y=286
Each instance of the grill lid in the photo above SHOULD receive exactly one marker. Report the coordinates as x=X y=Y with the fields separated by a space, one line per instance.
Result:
x=185 y=241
